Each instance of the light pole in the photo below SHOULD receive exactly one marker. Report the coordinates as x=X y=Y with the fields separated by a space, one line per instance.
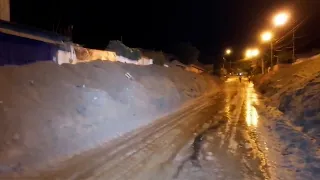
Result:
x=227 y=53
x=279 y=20
x=267 y=37
x=253 y=53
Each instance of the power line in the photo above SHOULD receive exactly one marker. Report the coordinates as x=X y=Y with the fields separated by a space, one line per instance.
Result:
x=291 y=31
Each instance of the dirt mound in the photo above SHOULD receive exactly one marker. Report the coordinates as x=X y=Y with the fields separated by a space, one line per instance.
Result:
x=296 y=91
x=49 y=112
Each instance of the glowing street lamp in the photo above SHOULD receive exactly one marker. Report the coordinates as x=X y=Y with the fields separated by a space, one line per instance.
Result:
x=255 y=52
x=266 y=36
x=228 y=51
x=280 y=19
x=251 y=53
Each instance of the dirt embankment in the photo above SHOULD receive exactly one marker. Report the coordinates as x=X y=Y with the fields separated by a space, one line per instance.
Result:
x=49 y=112
x=296 y=92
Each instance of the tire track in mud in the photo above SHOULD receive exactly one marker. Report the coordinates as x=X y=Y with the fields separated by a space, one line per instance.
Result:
x=197 y=146
x=206 y=109
x=162 y=133
x=249 y=162
x=123 y=145
x=102 y=169
x=234 y=107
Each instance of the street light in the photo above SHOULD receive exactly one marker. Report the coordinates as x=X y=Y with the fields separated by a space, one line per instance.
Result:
x=248 y=54
x=280 y=19
x=251 y=53
x=228 y=51
x=255 y=52
x=266 y=36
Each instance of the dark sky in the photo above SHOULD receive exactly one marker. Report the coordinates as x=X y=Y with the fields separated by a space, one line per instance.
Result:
x=210 y=25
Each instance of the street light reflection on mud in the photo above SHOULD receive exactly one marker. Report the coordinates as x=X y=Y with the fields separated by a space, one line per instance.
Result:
x=251 y=112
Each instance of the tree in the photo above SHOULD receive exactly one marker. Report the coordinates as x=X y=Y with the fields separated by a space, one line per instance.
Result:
x=186 y=53
x=122 y=50
x=157 y=56
x=244 y=66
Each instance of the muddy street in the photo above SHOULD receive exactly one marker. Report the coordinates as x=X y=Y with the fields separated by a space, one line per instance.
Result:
x=230 y=150
x=213 y=138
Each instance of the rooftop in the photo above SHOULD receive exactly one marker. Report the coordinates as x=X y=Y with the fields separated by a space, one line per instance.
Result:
x=31 y=32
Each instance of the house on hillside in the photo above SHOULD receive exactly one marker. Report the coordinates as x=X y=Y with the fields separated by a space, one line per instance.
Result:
x=22 y=45
x=170 y=57
x=208 y=68
x=179 y=64
x=196 y=67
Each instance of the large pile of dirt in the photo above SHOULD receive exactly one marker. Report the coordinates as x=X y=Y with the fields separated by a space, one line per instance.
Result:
x=296 y=92
x=49 y=112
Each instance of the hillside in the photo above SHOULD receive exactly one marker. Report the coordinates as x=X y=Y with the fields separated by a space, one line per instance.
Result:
x=296 y=92
x=50 y=112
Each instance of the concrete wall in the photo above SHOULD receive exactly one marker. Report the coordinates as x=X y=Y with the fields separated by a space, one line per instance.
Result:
x=5 y=10
x=65 y=57
x=102 y=55
x=145 y=61
x=142 y=61
x=65 y=54
x=85 y=55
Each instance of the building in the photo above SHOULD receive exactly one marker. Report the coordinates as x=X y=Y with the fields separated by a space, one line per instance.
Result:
x=22 y=45
x=5 y=10
x=179 y=64
x=196 y=67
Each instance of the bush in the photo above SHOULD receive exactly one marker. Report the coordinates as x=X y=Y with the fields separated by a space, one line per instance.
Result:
x=186 y=52
x=122 y=50
x=157 y=57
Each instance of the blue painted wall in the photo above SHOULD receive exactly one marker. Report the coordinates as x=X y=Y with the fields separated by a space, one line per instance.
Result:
x=15 y=50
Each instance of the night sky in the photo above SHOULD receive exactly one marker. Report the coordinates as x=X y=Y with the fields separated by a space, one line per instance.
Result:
x=210 y=25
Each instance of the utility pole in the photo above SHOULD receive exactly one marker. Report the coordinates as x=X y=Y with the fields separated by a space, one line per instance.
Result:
x=224 y=61
x=262 y=65
x=293 y=45
x=271 y=55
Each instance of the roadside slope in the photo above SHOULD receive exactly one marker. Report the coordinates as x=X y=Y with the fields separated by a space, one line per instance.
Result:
x=50 y=112
x=294 y=131
x=296 y=92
